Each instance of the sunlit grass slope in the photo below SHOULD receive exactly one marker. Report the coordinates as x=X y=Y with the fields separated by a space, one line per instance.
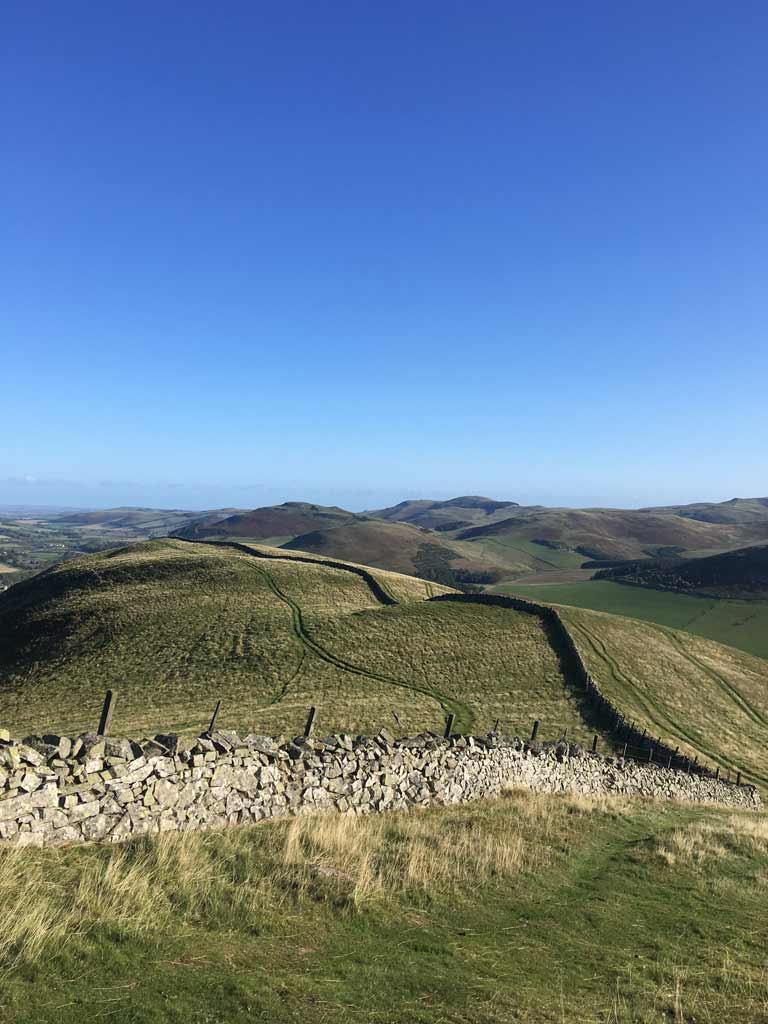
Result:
x=709 y=698
x=527 y=909
x=173 y=626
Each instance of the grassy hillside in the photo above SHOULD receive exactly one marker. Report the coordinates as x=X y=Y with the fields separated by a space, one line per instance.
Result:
x=173 y=626
x=402 y=548
x=737 y=510
x=525 y=910
x=740 y=573
x=742 y=624
x=711 y=699
x=452 y=514
x=611 y=533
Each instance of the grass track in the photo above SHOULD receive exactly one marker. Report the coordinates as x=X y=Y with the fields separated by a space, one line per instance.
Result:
x=463 y=713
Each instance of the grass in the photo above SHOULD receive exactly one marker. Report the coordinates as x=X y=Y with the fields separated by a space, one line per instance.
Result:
x=174 y=626
x=742 y=624
x=710 y=699
x=525 y=909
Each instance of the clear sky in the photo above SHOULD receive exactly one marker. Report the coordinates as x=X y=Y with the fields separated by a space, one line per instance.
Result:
x=355 y=252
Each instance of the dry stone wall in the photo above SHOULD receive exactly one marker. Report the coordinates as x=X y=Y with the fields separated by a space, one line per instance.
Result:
x=56 y=790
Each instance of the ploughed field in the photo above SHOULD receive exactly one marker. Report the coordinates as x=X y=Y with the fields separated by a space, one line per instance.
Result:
x=174 y=626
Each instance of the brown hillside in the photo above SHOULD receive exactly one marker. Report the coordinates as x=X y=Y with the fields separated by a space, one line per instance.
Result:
x=287 y=520
x=396 y=546
x=609 y=533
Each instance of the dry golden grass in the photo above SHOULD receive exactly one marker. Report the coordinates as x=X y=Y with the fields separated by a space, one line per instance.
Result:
x=700 y=842
x=145 y=886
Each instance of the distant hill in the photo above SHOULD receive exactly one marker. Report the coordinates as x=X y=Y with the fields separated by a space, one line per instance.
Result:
x=147 y=521
x=741 y=573
x=477 y=540
x=454 y=513
x=744 y=511
x=273 y=522
x=400 y=547
x=609 y=533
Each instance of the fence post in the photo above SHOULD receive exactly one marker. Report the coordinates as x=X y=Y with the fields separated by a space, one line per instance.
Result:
x=394 y=715
x=624 y=752
x=310 y=723
x=717 y=772
x=650 y=753
x=215 y=715
x=669 y=761
x=496 y=725
x=448 y=726
x=738 y=778
x=535 y=730
x=594 y=744
x=106 y=712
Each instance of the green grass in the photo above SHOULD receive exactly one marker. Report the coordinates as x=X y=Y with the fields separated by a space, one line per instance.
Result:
x=519 y=555
x=742 y=624
x=528 y=909
x=709 y=699
x=173 y=627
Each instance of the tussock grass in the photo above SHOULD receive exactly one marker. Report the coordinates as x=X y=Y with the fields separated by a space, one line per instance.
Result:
x=528 y=908
x=148 y=885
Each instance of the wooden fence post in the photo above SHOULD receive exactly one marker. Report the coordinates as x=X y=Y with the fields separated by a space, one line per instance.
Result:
x=215 y=715
x=394 y=715
x=106 y=712
x=594 y=744
x=310 y=723
x=448 y=726
x=717 y=772
x=535 y=730
x=738 y=778
x=496 y=725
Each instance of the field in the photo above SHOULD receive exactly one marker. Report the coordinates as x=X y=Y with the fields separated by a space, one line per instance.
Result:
x=742 y=624
x=174 y=626
x=710 y=699
x=524 y=910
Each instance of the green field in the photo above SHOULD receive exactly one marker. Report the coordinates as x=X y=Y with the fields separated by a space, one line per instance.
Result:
x=175 y=626
x=742 y=624
x=524 y=910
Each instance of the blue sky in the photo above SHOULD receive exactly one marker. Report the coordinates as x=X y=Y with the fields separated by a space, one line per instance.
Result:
x=352 y=252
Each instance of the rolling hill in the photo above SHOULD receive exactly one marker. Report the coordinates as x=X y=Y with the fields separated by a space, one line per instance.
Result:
x=750 y=511
x=475 y=540
x=273 y=523
x=400 y=547
x=605 y=534
x=451 y=514
x=173 y=626
x=147 y=522
x=740 y=573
